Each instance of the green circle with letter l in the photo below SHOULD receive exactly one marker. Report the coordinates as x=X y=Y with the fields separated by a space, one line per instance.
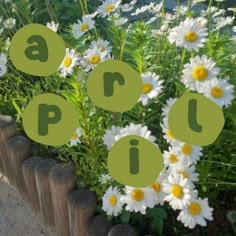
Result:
x=37 y=50
x=50 y=120
x=135 y=161
x=114 y=86
x=195 y=119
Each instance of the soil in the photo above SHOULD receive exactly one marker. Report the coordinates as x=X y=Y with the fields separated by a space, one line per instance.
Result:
x=16 y=217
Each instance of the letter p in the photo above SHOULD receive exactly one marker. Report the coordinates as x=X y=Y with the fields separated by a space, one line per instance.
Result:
x=44 y=118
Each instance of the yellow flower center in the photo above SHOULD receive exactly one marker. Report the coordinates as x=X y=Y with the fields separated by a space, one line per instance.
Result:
x=199 y=73
x=113 y=200
x=184 y=174
x=67 y=62
x=191 y=36
x=110 y=7
x=194 y=208
x=137 y=195
x=177 y=191
x=187 y=149
x=169 y=134
x=84 y=27
x=95 y=59
x=74 y=136
x=173 y=158
x=147 y=87
x=157 y=187
x=217 y=92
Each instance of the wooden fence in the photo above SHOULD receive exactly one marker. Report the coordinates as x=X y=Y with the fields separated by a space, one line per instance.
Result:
x=50 y=188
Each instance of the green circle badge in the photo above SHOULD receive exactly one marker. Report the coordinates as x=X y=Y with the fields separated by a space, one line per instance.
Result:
x=115 y=86
x=37 y=50
x=135 y=161
x=50 y=120
x=195 y=119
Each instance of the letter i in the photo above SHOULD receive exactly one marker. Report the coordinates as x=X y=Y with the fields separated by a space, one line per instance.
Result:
x=134 y=157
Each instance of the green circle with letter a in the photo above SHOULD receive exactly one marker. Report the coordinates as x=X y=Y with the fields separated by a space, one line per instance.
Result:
x=37 y=50
x=114 y=86
x=49 y=119
x=135 y=161
x=195 y=119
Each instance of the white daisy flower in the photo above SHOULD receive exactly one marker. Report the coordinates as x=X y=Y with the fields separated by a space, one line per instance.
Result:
x=168 y=134
x=108 y=6
x=233 y=9
x=75 y=139
x=222 y=22
x=9 y=23
x=101 y=44
x=3 y=59
x=195 y=212
x=219 y=91
x=7 y=44
x=194 y=2
x=133 y=2
x=189 y=34
x=105 y=179
x=112 y=204
x=138 y=199
x=180 y=10
x=178 y=191
x=138 y=130
x=166 y=109
x=83 y=26
x=142 y=9
x=152 y=87
x=53 y=26
x=93 y=57
x=157 y=33
x=70 y=60
x=189 y=153
x=172 y=159
x=109 y=136
x=121 y=21
x=3 y=70
x=157 y=186
x=126 y=7
x=198 y=71
x=188 y=172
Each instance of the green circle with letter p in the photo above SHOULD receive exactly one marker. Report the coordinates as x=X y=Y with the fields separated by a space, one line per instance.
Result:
x=50 y=120
x=37 y=50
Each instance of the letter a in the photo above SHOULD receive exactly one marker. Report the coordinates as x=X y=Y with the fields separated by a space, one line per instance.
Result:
x=38 y=51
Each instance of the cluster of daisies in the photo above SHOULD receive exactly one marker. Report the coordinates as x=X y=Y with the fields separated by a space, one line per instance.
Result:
x=201 y=74
x=174 y=185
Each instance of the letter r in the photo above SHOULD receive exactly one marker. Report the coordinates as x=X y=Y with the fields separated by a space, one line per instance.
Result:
x=109 y=80
x=44 y=119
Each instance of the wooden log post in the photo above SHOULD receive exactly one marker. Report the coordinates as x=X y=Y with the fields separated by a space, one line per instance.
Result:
x=7 y=130
x=122 y=229
x=30 y=182
x=81 y=207
x=62 y=180
x=18 y=149
x=99 y=226
x=41 y=172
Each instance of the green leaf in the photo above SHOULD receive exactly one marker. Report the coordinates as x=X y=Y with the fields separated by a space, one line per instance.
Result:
x=157 y=225
x=125 y=217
